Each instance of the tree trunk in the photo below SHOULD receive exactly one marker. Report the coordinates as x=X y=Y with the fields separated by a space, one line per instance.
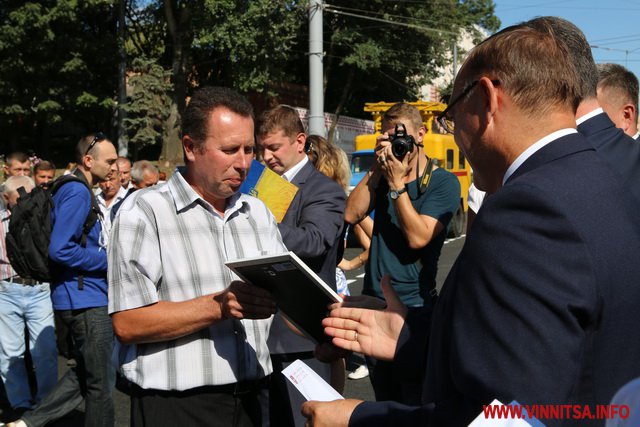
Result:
x=346 y=92
x=172 y=145
x=123 y=143
x=178 y=16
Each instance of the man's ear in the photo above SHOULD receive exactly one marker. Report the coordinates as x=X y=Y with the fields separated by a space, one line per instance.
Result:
x=301 y=140
x=629 y=113
x=490 y=97
x=421 y=132
x=87 y=161
x=189 y=147
x=5 y=198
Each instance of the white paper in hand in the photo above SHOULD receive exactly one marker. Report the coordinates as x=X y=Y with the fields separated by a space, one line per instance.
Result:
x=310 y=384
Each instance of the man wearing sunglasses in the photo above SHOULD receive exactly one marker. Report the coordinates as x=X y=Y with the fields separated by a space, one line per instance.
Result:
x=79 y=293
x=542 y=300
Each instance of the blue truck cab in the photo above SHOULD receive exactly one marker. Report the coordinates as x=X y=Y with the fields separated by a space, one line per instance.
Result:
x=361 y=162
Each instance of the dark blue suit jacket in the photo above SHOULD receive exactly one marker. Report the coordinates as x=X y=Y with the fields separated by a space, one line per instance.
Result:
x=542 y=304
x=620 y=150
x=312 y=228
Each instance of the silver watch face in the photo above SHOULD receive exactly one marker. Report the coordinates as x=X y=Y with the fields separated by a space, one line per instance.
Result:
x=396 y=193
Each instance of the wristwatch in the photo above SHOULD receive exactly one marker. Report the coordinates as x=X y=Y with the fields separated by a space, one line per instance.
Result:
x=396 y=193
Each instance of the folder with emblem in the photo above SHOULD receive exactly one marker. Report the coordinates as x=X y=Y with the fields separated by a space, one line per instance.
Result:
x=302 y=296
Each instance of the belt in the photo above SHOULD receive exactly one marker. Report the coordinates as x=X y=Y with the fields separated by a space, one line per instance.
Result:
x=236 y=389
x=291 y=357
x=23 y=281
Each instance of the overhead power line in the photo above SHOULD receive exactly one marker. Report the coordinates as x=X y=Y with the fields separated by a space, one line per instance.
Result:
x=329 y=8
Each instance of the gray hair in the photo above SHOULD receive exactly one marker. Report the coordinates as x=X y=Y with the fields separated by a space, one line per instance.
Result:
x=12 y=184
x=140 y=167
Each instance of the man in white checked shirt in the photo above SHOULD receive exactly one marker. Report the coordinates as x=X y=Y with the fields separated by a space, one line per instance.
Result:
x=191 y=339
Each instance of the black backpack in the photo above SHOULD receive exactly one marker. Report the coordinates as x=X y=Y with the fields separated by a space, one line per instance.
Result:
x=30 y=230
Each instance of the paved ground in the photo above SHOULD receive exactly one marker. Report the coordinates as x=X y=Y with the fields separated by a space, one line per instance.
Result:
x=360 y=389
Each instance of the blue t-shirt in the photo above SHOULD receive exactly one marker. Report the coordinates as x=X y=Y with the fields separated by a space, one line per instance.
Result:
x=413 y=272
x=72 y=203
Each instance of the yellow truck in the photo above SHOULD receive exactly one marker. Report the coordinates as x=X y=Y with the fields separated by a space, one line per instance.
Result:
x=438 y=146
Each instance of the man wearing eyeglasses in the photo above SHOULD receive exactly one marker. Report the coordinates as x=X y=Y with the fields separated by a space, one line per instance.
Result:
x=542 y=300
x=595 y=116
x=79 y=293
x=414 y=201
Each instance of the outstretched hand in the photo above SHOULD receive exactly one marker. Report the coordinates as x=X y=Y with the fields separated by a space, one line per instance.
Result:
x=372 y=332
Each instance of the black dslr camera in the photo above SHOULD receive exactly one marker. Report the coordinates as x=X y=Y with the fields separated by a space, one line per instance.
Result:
x=401 y=142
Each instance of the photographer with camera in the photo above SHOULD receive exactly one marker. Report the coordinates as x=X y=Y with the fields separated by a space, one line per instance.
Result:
x=414 y=201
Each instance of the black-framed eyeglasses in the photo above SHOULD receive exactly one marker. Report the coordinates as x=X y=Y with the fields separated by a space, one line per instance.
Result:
x=99 y=136
x=445 y=122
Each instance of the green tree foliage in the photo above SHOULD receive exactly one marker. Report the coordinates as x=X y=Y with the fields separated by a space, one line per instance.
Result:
x=59 y=68
x=57 y=72
x=245 y=43
x=386 y=50
x=148 y=104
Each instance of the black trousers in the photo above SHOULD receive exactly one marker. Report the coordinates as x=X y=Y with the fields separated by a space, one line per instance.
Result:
x=284 y=399
x=235 y=405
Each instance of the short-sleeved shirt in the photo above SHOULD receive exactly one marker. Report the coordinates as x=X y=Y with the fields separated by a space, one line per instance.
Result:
x=413 y=271
x=169 y=244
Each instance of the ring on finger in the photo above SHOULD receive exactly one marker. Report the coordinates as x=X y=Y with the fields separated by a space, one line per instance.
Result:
x=355 y=336
x=383 y=159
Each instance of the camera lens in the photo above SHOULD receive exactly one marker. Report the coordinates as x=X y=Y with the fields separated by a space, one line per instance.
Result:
x=401 y=142
x=400 y=147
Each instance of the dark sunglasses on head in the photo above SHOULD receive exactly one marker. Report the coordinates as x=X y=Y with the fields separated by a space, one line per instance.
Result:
x=99 y=136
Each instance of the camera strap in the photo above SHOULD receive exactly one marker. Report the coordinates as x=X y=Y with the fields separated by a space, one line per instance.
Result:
x=426 y=177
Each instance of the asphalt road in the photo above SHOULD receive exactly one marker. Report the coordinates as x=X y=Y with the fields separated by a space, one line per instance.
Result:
x=359 y=389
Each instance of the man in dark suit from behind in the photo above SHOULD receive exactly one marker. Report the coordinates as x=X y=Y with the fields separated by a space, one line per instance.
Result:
x=594 y=113
x=312 y=228
x=618 y=96
x=541 y=305
x=618 y=149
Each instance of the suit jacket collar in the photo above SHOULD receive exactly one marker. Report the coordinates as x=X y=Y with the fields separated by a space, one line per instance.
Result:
x=561 y=147
x=595 y=124
x=303 y=174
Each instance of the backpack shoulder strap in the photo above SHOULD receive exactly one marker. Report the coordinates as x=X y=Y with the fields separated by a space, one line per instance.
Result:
x=94 y=212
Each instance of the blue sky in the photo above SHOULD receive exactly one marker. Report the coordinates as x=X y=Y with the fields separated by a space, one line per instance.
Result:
x=612 y=25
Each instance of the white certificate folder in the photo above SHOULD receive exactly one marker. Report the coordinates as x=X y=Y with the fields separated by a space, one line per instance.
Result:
x=301 y=295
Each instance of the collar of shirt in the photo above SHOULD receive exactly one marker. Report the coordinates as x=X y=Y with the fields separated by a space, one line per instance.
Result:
x=185 y=196
x=636 y=136
x=587 y=116
x=535 y=147
x=119 y=196
x=291 y=173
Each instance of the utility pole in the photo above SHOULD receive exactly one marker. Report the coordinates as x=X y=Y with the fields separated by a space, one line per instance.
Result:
x=455 y=59
x=316 y=93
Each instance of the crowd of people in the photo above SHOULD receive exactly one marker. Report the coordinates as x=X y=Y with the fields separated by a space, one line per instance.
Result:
x=539 y=307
